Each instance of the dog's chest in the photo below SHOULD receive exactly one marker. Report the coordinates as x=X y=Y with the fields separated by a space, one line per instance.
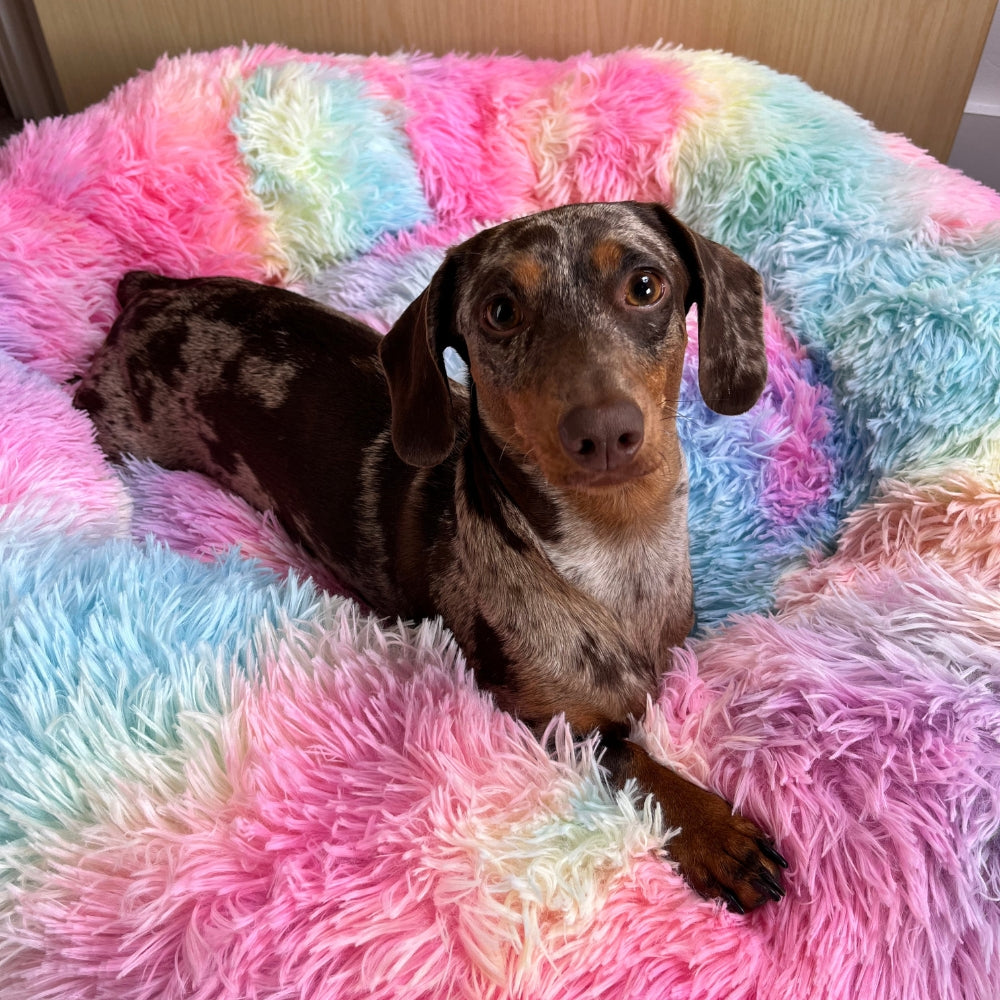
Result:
x=644 y=579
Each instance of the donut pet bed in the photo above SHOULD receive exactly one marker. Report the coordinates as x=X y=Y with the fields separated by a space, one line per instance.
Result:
x=220 y=779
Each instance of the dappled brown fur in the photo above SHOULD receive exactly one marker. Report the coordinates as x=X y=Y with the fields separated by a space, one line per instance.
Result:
x=541 y=512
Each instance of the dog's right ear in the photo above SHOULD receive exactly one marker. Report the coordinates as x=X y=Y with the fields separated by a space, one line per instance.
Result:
x=412 y=355
x=732 y=360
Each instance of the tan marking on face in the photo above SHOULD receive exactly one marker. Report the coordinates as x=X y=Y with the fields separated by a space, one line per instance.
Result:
x=497 y=412
x=527 y=424
x=606 y=256
x=639 y=503
x=528 y=272
x=670 y=371
x=633 y=506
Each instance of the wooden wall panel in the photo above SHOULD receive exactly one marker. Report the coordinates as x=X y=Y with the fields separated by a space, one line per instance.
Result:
x=905 y=64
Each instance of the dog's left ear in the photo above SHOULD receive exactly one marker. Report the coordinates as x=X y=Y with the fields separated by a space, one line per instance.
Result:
x=412 y=355
x=732 y=364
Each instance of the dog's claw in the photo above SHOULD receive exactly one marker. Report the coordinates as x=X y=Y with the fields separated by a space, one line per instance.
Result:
x=732 y=902
x=770 y=886
x=769 y=852
x=730 y=859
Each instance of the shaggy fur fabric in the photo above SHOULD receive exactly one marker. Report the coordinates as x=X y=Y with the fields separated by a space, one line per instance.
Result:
x=218 y=779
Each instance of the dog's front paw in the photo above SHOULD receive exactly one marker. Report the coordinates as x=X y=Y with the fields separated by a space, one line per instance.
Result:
x=723 y=855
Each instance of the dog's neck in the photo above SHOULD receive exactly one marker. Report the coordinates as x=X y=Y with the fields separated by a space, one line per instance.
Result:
x=626 y=547
x=517 y=479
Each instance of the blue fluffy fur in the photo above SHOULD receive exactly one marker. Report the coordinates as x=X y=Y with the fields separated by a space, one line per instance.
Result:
x=331 y=164
x=738 y=549
x=903 y=319
x=124 y=638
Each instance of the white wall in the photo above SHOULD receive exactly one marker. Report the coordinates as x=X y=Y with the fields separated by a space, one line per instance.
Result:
x=977 y=146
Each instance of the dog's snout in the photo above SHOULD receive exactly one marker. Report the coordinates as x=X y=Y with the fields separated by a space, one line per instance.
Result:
x=602 y=438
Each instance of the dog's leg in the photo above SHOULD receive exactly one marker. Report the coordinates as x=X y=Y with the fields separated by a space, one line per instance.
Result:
x=520 y=625
x=720 y=853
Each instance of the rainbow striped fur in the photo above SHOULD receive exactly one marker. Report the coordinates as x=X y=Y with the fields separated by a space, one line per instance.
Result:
x=219 y=780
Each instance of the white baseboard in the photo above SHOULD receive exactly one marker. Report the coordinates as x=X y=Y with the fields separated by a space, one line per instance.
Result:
x=983 y=108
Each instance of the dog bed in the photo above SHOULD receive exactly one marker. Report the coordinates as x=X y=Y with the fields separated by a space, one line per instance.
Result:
x=220 y=779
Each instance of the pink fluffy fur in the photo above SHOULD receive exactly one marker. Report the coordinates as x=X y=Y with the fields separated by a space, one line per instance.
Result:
x=50 y=470
x=952 y=522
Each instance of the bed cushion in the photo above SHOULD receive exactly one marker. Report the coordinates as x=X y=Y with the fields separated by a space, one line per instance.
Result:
x=220 y=779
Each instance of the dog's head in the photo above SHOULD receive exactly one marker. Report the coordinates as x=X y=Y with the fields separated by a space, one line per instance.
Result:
x=572 y=322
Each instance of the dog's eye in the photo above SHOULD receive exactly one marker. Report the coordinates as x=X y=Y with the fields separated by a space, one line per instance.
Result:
x=502 y=314
x=644 y=288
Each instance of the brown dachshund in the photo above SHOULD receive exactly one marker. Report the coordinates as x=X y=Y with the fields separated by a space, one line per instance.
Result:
x=541 y=513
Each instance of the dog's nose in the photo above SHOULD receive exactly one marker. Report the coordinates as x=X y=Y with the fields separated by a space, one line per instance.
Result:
x=602 y=438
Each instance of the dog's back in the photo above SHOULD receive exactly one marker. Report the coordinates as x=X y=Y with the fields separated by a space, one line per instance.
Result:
x=274 y=396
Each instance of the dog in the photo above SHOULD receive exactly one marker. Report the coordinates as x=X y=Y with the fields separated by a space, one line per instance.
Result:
x=541 y=512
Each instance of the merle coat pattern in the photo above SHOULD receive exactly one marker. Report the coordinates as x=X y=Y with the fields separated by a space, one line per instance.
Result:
x=542 y=512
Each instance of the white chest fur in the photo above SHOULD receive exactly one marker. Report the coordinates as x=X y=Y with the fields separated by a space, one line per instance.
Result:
x=642 y=577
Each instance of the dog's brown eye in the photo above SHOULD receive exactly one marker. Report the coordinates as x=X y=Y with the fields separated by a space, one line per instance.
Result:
x=503 y=314
x=644 y=288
